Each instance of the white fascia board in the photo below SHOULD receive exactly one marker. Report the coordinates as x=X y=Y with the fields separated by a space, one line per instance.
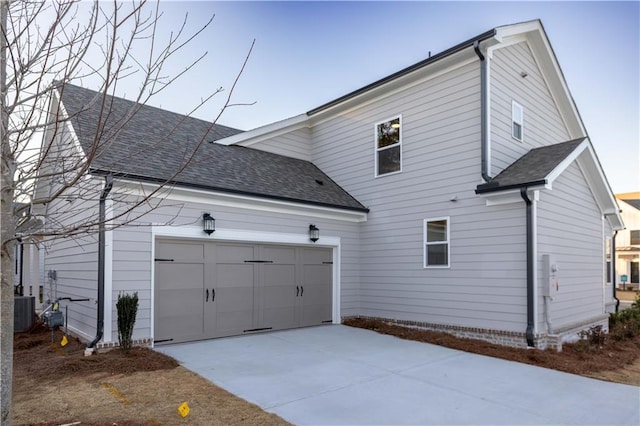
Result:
x=268 y=131
x=602 y=193
x=512 y=196
x=560 y=168
x=67 y=124
x=517 y=29
x=190 y=195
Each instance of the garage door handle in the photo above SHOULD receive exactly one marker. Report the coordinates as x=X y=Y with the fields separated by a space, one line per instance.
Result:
x=207 y=298
x=213 y=294
x=301 y=290
x=297 y=291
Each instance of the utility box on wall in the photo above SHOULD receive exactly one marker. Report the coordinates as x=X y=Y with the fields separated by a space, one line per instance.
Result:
x=551 y=283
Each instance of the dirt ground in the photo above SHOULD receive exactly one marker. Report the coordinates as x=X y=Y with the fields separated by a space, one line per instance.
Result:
x=58 y=385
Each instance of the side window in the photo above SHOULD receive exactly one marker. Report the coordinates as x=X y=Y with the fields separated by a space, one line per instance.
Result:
x=517 y=121
x=389 y=146
x=436 y=243
x=635 y=238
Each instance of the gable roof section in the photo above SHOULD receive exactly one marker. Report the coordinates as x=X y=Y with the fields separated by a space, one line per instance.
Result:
x=535 y=168
x=151 y=145
x=540 y=167
x=530 y=31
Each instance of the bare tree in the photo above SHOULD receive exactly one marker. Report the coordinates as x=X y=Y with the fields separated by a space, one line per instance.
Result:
x=45 y=45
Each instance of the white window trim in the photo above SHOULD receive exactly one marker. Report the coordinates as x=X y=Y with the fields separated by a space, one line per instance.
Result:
x=376 y=150
x=515 y=104
x=425 y=243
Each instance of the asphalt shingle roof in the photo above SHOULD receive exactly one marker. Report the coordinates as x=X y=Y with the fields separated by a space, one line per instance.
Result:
x=153 y=145
x=532 y=168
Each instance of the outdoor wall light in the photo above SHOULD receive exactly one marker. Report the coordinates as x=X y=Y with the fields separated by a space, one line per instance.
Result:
x=314 y=233
x=209 y=223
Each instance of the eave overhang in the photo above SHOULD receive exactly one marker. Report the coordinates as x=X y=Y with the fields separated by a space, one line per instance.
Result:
x=585 y=157
x=241 y=199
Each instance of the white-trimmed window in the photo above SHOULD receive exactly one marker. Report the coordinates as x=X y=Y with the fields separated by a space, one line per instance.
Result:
x=517 y=121
x=388 y=140
x=436 y=242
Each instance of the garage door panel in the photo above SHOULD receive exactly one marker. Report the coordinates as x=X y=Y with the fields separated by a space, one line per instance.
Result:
x=234 y=275
x=317 y=296
x=316 y=256
x=231 y=253
x=256 y=287
x=279 y=295
x=279 y=255
x=179 y=251
x=179 y=301
x=177 y=275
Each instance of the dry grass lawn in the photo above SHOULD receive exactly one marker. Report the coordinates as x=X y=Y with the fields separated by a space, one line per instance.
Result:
x=58 y=385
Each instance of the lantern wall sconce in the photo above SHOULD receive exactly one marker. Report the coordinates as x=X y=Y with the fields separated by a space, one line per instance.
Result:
x=208 y=223
x=314 y=233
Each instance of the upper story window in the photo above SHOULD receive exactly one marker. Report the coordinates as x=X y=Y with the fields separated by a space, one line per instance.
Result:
x=517 y=121
x=389 y=146
x=635 y=238
x=436 y=243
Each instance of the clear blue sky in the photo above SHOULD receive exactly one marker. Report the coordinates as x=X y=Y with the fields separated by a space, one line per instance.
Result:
x=308 y=53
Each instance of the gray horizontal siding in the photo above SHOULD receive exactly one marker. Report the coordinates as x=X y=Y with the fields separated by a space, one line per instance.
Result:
x=570 y=228
x=296 y=144
x=485 y=286
x=542 y=122
x=75 y=257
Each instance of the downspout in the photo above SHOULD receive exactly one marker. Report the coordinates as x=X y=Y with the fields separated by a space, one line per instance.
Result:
x=101 y=254
x=484 y=111
x=21 y=283
x=613 y=269
x=530 y=266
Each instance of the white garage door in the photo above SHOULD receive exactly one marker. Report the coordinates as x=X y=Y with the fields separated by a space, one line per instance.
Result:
x=205 y=290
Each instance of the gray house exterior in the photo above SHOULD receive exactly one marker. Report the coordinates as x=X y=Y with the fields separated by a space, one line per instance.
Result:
x=460 y=194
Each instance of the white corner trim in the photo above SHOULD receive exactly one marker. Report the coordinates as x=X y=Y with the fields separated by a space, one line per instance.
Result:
x=108 y=275
x=268 y=131
x=190 y=195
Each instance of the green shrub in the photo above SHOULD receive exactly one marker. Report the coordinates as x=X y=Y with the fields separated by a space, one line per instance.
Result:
x=127 y=307
x=594 y=336
x=625 y=325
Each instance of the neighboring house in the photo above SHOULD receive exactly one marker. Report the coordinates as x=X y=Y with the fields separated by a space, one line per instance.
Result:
x=460 y=194
x=628 y=242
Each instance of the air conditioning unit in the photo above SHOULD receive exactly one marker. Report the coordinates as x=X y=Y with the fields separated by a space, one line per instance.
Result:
x=24 y=311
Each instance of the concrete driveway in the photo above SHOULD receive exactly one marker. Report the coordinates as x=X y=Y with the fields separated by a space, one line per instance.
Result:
x=338 y=375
